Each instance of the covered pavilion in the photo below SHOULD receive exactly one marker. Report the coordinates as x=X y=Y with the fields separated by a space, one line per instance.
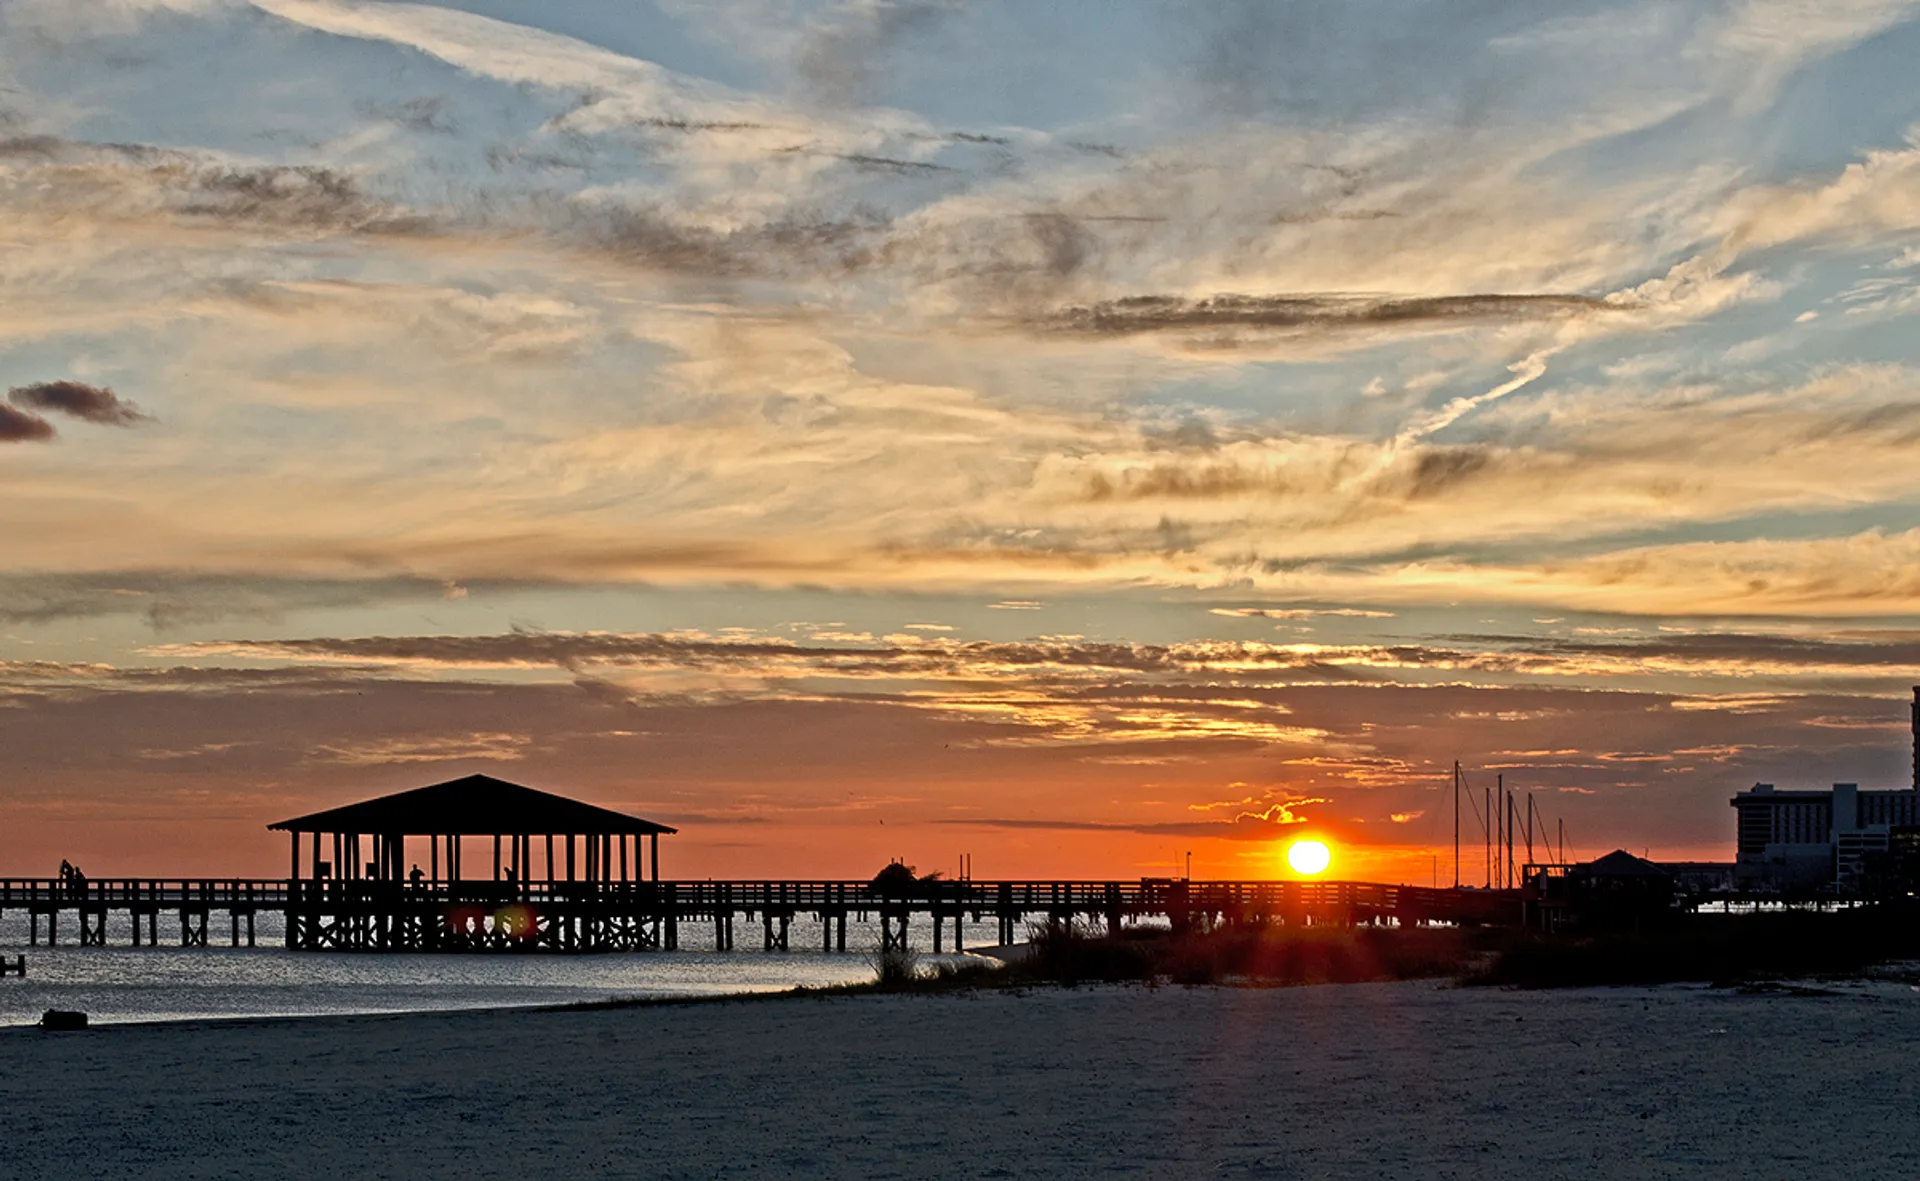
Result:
x=371 y=874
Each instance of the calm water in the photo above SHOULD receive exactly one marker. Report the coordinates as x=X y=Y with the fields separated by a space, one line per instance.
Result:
x=122 y=983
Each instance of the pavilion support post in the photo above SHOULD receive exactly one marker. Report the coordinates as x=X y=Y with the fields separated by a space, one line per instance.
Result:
x=623 y=856
x=550 y=878
x=654 y=854
x=569 y=857
x=496 y=856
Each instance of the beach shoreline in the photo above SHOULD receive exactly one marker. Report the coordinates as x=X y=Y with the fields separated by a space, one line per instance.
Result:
x=1411 y=1079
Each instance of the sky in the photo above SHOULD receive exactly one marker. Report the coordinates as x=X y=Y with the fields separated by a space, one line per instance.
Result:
x=1082 y=436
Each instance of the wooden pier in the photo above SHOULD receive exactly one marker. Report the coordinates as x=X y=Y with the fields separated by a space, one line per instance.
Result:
x=566 y=876
x=143 y=901
x=363 y=915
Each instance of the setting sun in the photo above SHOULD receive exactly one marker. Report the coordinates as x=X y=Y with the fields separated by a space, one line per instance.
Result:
x=1309 y=857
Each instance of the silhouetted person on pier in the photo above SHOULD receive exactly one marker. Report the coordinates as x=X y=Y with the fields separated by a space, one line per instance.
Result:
x=512 y=880
x=416 y=877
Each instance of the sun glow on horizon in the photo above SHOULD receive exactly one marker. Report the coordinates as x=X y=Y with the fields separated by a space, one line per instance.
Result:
x=1309 y=857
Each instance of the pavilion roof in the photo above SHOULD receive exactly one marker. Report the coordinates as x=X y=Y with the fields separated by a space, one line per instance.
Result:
x=1622 y=864
x=476 y=805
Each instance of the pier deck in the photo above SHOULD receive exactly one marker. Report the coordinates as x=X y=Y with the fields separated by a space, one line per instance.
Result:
x=364 y=915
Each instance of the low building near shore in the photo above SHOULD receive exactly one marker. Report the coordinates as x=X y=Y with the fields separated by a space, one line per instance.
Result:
x=1618 y=892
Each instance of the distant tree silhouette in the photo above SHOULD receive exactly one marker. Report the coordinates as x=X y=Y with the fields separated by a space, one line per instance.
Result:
x=895 y=881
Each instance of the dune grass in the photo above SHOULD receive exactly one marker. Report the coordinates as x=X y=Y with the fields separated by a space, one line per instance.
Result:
x=1712 y=949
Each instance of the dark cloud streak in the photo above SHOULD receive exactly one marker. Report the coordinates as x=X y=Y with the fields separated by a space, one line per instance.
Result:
x=173 y=599
x=1249 y=826
x=1143 y=314
x=76 y=399
x=17 y=426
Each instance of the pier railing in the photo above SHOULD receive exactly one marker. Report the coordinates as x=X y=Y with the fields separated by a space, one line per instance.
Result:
x=140 y=893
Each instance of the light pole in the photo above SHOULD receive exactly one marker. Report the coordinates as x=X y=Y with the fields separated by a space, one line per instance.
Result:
x=1189 y=864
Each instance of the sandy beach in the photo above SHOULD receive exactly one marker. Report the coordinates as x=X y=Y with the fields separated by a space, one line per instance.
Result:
x=1377 y=1081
